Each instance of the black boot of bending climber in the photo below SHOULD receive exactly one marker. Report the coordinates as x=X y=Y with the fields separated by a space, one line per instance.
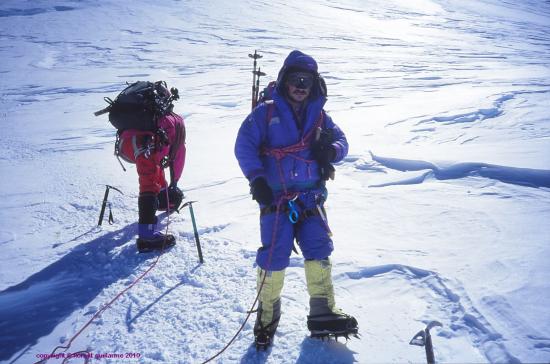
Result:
x=149 y=238
x=157 y=241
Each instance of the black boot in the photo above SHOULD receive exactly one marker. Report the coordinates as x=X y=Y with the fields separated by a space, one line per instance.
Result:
x=325 y=320
x=149 y=239
x=332 y=324
x=157 y=241
x=263 y=335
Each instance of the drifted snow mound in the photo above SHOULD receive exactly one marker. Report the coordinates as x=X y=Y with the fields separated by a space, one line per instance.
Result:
x=519 y=176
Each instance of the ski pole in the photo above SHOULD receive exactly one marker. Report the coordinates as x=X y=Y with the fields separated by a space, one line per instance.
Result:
x=423 y=338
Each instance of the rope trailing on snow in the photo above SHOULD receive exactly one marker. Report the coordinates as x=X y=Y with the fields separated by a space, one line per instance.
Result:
x=278 y=154
x=273 y=236
x=87 y=353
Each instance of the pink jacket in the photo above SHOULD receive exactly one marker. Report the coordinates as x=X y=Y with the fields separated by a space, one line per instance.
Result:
x=156 y=146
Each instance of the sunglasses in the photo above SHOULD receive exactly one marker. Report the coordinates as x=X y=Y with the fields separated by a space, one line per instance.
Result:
x=300 y=80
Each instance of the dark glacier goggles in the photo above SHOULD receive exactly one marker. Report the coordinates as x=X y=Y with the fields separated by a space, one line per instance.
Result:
x=302 y=80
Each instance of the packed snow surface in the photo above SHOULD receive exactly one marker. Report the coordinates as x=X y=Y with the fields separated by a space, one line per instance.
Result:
x=439 y=212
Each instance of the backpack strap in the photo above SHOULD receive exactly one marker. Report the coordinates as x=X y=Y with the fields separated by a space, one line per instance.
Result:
x=179 y=140
x=270 y=107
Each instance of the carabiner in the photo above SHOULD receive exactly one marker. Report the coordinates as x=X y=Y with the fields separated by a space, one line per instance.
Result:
x=293 y=214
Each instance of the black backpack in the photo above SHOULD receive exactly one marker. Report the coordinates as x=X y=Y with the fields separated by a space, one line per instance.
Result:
x=140 y=105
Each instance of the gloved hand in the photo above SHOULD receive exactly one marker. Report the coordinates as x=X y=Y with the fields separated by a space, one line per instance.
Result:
x=322 y=148
x=326 y=171
x=175 y=195
x=324 y=153
x=261 y=191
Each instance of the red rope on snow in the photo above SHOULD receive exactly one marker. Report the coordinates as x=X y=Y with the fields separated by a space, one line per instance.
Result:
x=273 y=236
x=108 y=305
x=278 y=154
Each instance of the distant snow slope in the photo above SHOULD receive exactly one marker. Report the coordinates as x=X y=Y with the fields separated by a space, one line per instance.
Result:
x=439 y=212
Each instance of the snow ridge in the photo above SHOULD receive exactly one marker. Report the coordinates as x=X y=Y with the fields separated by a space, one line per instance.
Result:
x=520 y=176
x=460 y=313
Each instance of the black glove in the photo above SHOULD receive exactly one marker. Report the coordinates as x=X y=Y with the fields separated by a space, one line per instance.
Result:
x=326 y=171
x=261 y=191
x=324 y=153
x=175 y=195
x=322 y=149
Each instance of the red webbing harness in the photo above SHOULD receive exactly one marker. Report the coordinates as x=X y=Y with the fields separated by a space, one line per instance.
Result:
x=291 y=150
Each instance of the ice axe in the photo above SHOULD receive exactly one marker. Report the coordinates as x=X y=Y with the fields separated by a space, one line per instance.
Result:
x=423 y=338
x=104 y=204
x=197 y=241
x=258 y=74
x=255 y=56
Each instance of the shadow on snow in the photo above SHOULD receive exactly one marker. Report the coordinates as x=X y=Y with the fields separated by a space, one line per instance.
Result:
x=33 y=308
x=312 y=351
x=328 y=351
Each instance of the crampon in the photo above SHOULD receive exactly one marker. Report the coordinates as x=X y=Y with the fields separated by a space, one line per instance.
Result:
x=327 y=335
x=263 y=341
x=332 y=325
